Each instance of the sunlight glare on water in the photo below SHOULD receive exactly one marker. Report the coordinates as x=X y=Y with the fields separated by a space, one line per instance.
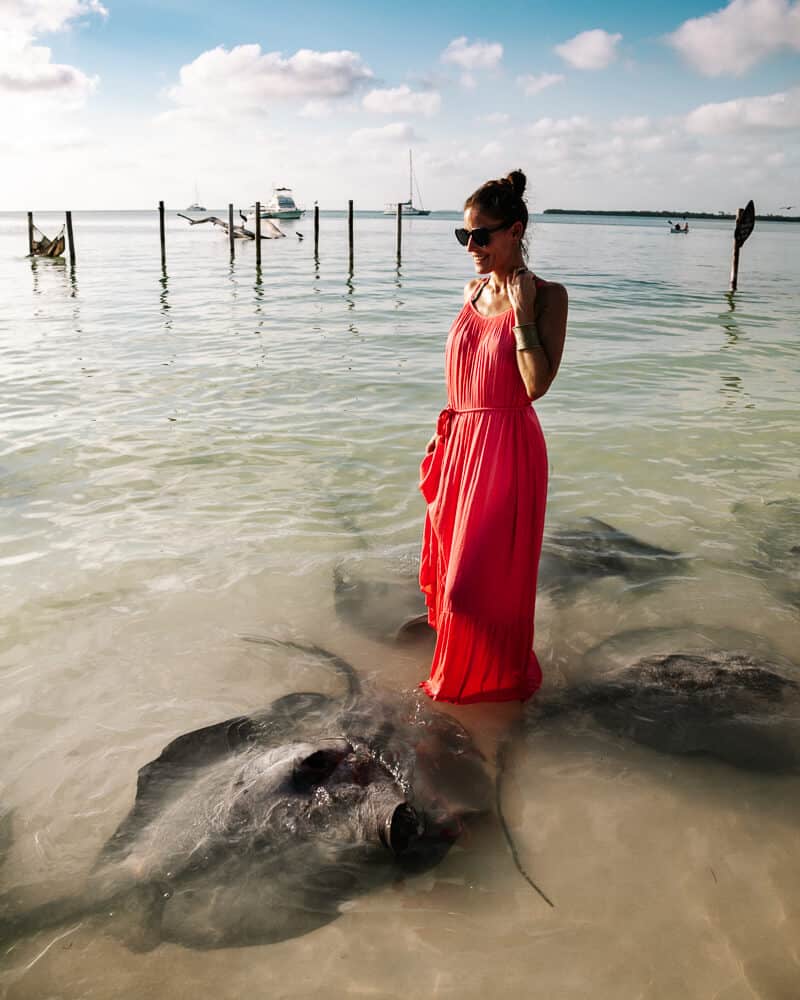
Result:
x=185 y=457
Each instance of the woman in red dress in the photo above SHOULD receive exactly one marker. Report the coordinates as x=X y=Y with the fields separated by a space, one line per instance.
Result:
x=484 y=475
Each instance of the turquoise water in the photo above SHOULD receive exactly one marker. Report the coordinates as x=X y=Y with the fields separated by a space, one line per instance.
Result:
x=185 y=456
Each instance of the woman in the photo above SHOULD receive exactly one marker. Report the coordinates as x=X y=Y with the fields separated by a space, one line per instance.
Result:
x=484 y=474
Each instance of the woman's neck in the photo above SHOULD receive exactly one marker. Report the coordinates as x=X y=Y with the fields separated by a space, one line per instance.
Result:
x=500 y=275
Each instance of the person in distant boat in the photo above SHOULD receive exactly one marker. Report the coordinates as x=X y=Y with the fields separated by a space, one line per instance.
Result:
x=484 y=474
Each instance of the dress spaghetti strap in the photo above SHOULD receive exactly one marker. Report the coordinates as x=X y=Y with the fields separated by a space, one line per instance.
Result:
x=477 y=294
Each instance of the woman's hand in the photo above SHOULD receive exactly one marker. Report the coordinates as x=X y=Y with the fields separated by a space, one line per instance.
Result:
x=431 y=445
x=521 y=291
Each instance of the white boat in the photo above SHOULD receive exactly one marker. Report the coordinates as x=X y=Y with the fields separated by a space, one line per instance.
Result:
x=281 y=205
x=195 y=205
x=409 y=208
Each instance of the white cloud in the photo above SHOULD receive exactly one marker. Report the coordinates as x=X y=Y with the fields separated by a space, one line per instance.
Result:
x=395 y=132
x=735 y=38
x=774 y=111
x=635 y=124
x=594 y=49
x=32 y=17
x=316 y=108
x=404 y=101
x=549 y=127
x=26 y=69
x=497 y=118
x=533 y=84
x=474 y=56
x=491 y=151
x=245 y=79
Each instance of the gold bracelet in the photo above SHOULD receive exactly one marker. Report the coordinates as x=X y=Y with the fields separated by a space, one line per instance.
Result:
x=527 y=337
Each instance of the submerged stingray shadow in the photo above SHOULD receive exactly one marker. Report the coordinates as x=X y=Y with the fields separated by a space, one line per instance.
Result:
x=377 y=593
x=774 y=527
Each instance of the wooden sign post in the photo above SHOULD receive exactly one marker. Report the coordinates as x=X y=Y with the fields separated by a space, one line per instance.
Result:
x=745 y=220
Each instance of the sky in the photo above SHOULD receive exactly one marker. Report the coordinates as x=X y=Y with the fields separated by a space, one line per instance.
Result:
x=121 y=103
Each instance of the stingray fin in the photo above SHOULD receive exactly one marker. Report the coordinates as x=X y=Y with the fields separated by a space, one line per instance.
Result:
x=177 y=763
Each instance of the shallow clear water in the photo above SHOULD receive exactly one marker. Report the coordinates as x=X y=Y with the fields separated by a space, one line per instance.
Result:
x=185 y=457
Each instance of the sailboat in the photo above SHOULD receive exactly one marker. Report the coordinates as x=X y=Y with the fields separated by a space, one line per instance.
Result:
x=409 y=208
x=196 y=206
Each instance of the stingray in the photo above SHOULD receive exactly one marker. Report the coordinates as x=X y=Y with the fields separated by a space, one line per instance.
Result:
x=680 y=692
x=378 y=593
x=574 y=555
x=256 y=829
x=775 y=528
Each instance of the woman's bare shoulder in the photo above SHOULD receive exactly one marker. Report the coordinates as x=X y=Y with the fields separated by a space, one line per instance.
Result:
x=552 y=293
x=471 y=287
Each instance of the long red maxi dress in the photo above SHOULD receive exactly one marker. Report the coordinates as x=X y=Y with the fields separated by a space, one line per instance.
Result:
x=485 y=484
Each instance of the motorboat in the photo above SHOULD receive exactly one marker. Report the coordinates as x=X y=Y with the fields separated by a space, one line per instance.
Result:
x=280 y=206
x=408 y=207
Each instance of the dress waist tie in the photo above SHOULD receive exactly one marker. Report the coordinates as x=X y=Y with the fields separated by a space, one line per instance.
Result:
x=446 y=416
x=431 y=467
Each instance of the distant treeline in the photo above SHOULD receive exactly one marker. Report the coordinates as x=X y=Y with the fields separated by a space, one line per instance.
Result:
x=667 y=215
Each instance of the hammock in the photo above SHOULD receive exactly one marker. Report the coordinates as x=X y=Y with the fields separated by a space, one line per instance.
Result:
x=42 y=247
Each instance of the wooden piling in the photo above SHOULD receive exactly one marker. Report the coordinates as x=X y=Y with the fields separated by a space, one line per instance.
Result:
x=70 y=238
x=399 y=229
x=231 y=236
x=258 y=235
x=30 y=233
x=163 y=234
x=316 y=230
x=735 y=258
x=350 y=230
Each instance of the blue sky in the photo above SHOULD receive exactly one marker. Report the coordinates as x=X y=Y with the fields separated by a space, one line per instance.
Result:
x=116 y=104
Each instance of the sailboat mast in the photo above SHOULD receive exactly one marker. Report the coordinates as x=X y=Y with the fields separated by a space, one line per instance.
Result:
x=410 y=181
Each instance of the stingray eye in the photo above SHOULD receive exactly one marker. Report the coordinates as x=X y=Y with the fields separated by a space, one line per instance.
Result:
x=319 y=766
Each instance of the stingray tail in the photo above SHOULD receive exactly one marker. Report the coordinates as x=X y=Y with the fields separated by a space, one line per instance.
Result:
x=502 y=752
x=342 y=667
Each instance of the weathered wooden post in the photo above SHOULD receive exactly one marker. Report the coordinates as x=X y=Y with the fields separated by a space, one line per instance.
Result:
x=163 y=234
x=316 y=229
x=745 y=221
x=230 y=229
x=258 y=235
x=30 y=234
x=70 y=238
x=350 y=230
x=399 y=229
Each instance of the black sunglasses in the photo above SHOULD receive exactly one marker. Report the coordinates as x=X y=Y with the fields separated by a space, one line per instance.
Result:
x=480 y=237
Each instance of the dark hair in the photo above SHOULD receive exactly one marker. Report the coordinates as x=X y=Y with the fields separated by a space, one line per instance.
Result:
x=502 y=199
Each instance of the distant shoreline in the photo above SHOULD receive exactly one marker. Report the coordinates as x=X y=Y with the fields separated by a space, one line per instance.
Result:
x=665 y=215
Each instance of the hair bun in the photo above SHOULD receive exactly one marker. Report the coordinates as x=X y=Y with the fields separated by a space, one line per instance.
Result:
x=518 y=182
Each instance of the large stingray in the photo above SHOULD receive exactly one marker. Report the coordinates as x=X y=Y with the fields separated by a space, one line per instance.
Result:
x=378 y=593
x=681 y=692
x=257 y=828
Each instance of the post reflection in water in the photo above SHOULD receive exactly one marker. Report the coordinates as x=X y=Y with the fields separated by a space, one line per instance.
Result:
x=163 y=297
x=351 y=288
x=729 y=324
